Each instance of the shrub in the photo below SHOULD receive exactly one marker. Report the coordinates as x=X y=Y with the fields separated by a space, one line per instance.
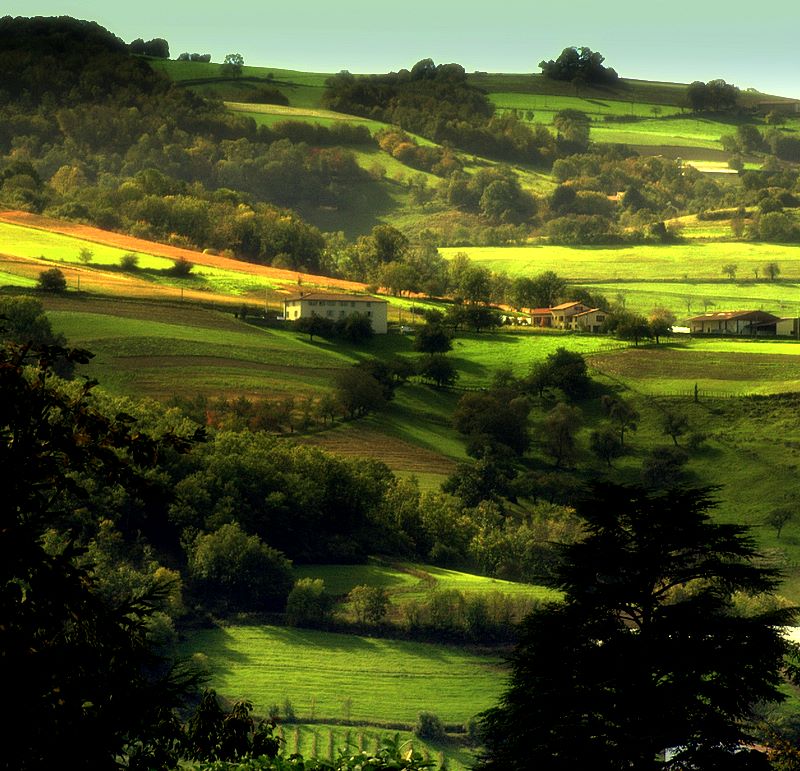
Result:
x=429 y=726
x=129 y=262
x=52 y=281
x=370 y=603
x=309 y=604
x=181 y=268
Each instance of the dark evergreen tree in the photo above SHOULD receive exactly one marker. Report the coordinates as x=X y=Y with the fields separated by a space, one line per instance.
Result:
x=645 y=655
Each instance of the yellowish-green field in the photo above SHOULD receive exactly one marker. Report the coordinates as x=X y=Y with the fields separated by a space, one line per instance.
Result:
x=694 y=260
x=268 y=114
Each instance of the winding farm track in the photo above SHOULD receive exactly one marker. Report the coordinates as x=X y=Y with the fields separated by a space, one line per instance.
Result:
x=120 y=240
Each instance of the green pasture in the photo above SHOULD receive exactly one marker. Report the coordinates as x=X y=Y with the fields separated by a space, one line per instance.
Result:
x=405 y=581
x=303 y=89
x=340 y=579
x=268 y=114
x=675 y=368
x=686 y=132
x=22 y=241
x=692 y=260
x=752 y=449
x=421 y=415
x=546 y=105
x=183 y=71
x=478 y=356
x=710 y=230
x=318 y=740
x=9 y=279
x=161 y=358
x=691 y=298
x=626 y=90
x=347 y=677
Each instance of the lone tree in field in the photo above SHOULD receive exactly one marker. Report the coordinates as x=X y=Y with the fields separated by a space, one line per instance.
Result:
x=729 y=269
x=52 y=281
x=232 y=66
x=644 y=653
x=772 y=270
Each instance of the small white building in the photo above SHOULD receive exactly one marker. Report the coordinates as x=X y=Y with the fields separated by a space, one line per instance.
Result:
x=589 y=321
x=337 y=306
x=788 y=328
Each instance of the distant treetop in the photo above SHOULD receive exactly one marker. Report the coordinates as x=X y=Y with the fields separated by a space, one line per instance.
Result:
x=579 y=64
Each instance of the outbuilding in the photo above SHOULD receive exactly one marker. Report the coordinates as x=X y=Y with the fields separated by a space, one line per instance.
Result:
x=734 y=323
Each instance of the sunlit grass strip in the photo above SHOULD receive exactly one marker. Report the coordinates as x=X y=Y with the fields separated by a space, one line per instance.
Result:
x=347 y=677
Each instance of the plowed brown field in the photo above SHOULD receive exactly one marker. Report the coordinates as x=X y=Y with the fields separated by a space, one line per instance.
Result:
x=364 y=442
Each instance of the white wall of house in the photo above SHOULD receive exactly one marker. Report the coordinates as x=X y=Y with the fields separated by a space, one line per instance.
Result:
x=335 y=309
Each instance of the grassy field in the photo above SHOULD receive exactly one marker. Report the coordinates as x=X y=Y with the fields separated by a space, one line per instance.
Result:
x=339 y=676
x=404 y=581
x=662 y=107
x=158 y=350
x=716 y=366
x=267 y=114
x=692 y=260
x=303 y=89
x=690 y=298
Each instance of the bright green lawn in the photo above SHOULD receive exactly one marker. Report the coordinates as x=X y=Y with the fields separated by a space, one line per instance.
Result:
x=377 y=680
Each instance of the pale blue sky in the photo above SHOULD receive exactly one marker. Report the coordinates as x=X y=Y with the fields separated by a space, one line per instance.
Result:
x=756 y=44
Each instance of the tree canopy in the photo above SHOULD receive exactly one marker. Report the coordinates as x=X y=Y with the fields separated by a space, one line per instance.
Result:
x=78 y=665
x=582 y=64
x=646 y=653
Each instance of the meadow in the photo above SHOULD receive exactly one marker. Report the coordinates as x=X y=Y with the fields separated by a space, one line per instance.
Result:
x=330 y=676
x=692 y=260
x=408 y=581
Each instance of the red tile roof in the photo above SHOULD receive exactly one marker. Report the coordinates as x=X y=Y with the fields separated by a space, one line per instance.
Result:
x=331 y=296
